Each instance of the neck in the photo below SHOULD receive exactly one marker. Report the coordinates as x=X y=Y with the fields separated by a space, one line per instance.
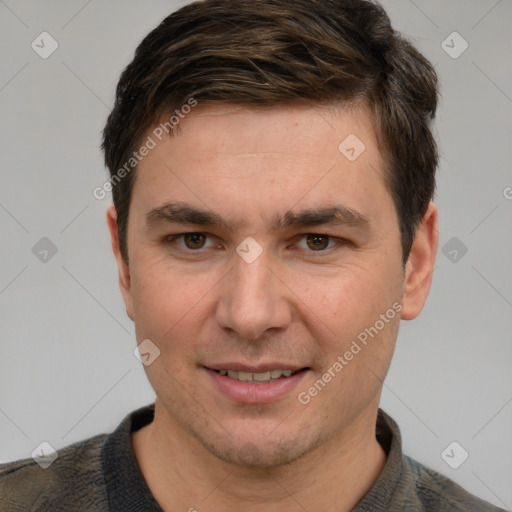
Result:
x=183 y=475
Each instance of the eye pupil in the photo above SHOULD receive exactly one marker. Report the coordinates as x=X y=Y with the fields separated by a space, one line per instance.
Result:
x=194 y=240
x=317 y=241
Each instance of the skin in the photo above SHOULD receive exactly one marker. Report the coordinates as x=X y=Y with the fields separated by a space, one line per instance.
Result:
x=294 y=303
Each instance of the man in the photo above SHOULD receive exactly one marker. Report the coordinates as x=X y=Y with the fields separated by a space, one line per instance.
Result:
x=272 y=169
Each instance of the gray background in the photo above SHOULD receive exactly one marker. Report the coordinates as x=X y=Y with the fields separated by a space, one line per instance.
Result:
x=67 y=370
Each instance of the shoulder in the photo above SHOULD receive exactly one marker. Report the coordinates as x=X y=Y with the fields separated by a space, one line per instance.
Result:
x=73 y=481
x=432 y=491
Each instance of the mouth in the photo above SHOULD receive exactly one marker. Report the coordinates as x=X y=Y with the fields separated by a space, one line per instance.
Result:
x=258 y=377
x=256 y=385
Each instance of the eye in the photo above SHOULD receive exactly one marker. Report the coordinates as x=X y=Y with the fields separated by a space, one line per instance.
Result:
x=318 y=242
x=191 y=241
x=194 y=242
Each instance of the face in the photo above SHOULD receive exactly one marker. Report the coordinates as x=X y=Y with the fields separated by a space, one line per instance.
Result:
x=259 y=249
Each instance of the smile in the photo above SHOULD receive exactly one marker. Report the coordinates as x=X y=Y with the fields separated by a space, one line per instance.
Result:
x=258 y=378
x=256 y=386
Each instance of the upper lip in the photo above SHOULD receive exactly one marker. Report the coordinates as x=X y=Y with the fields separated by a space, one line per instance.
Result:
x=259 y=368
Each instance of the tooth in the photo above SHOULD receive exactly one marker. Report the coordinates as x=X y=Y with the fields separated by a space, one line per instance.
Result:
x=261 y=376
x=256 y=377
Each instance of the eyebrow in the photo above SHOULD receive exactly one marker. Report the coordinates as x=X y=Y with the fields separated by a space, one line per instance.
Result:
x=184 y=213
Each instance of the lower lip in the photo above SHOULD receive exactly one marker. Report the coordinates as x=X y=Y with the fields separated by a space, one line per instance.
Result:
x=255 y=393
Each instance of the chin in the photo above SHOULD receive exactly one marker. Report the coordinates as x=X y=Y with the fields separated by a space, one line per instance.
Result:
x=262 y=453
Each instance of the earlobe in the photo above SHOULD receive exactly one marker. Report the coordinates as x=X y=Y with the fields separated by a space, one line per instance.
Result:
x=122 y=266
x=420 y=265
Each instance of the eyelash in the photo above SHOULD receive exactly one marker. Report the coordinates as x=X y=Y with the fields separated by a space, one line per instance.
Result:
x=169 y=240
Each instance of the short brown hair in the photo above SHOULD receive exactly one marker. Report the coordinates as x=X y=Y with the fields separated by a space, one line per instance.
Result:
x=278 y=52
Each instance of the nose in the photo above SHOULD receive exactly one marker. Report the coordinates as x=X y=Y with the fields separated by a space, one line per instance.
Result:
x=253 y=299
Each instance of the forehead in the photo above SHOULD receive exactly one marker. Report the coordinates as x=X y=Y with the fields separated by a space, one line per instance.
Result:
x=229 y=156
x=298 y=129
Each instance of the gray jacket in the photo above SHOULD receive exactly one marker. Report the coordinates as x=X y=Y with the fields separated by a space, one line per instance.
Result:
x=101 y=474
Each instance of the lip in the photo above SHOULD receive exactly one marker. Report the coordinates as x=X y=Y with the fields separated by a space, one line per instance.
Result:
x=253 y=392
x=262 y=367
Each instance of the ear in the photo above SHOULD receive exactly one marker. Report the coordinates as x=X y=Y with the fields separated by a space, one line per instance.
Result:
x=420 y=265
x=122 y=266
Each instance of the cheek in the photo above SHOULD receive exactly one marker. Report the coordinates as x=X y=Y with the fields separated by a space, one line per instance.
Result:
x=343 y=315
x=167 y=309
x=345 y=300
x=164 y=300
